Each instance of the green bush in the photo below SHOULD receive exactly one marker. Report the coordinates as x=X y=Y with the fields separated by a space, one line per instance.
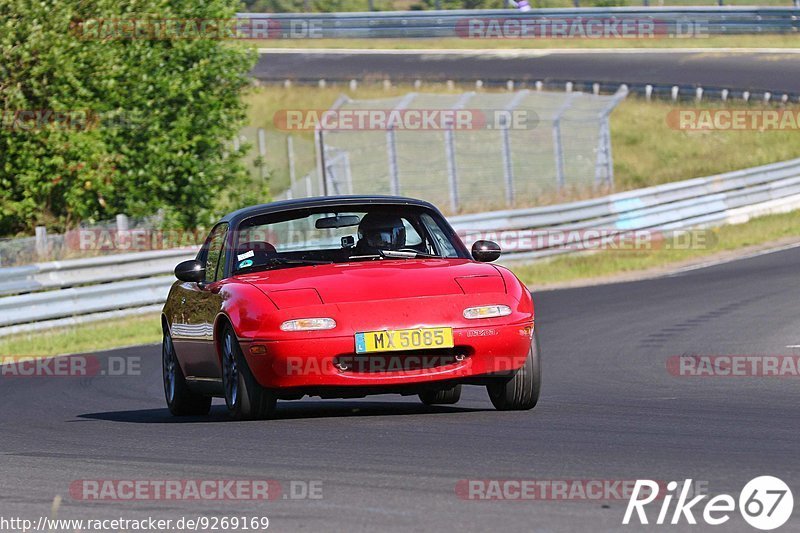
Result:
x=159 y=114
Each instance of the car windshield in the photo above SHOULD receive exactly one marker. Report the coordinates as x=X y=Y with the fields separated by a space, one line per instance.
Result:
x=329 y=235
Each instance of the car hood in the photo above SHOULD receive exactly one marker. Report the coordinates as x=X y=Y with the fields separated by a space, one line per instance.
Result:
x=375 y=280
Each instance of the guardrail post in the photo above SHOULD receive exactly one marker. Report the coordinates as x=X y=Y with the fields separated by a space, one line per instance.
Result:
x=123 y=224
x=41 y=242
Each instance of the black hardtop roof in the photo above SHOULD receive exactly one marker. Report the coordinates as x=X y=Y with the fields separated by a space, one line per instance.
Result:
x=321 y=201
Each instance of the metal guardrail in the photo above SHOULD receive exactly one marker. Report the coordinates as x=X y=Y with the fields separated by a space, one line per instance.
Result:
x=716 y=20
x=133 y=283
x=700 y=202
x=92 y=270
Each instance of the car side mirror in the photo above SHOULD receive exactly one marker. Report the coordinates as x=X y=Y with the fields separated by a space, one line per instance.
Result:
x=191 y=271
x=485 y=251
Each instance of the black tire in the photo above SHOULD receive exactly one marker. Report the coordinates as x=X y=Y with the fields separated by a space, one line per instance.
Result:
x=520 y=392
x=180 y=400
x=245 y=398
x=442 y=397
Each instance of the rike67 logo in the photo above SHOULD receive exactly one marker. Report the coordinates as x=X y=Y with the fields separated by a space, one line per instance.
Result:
x=765 y=503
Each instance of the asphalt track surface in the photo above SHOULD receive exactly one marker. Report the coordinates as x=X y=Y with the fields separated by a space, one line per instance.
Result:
x=752 y=71
x=609 y=410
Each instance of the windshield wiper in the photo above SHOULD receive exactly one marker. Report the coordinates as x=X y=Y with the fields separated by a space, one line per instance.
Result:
x=279 y=261
x=396 y=254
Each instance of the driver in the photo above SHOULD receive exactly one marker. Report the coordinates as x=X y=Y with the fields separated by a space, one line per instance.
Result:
x=378 y=231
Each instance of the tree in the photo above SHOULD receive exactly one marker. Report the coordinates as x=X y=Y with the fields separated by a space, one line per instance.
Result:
x=124 y=125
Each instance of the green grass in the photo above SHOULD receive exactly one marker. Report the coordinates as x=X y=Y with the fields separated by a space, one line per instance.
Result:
x=647 y=151
x=83 y=338
x=586 y=266
x=712 y=41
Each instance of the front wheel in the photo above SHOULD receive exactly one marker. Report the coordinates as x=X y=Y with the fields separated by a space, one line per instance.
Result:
x=245 y=398
x=520 y=392
x=180 y=400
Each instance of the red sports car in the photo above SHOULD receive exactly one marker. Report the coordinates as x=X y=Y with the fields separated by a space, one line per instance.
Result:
x=341 y=297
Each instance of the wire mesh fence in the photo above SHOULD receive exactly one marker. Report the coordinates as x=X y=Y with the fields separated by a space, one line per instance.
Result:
x=123 y=234
x=464 y=152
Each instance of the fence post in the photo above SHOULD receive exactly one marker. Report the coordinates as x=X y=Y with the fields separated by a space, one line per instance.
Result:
x=348 y=173
x=262 y=151
x=391 y=154
x=290 y=157
x=41 y=242
x=320 y=148
x=605 y=159
x=452 y=173
x=508 y=164
x=391 y=147
x=603 y=154
x=450 y=153
x=558 y=150
x=321 y=172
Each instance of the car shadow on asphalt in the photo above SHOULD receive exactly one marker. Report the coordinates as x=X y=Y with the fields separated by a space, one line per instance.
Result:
x=286 y=411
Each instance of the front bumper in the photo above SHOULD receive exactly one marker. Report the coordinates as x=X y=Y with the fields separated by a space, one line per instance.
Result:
x=331 y=361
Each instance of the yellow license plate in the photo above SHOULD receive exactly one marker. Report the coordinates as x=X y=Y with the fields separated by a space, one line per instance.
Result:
x=404 y=339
